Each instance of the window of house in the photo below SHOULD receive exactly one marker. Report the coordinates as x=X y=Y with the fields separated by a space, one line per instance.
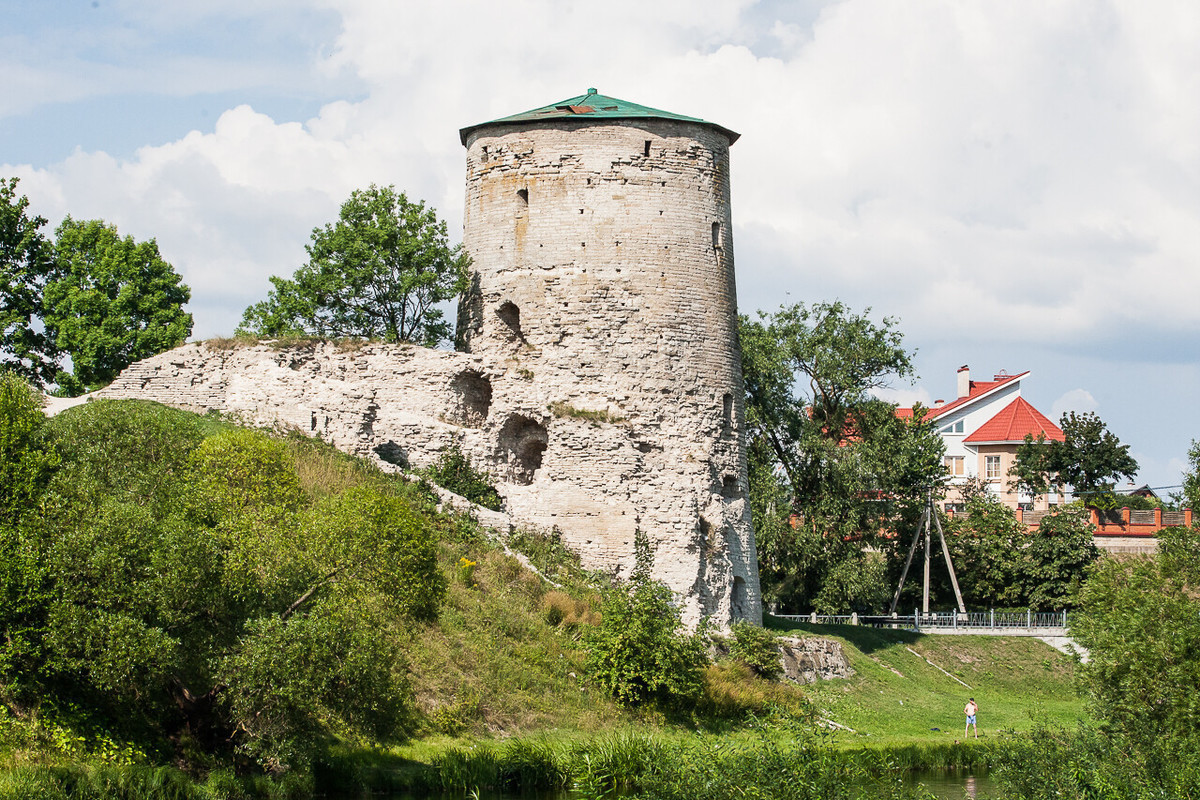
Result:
x=956 y=427
x=991 y=466
x=955 y=508
x=955 y=465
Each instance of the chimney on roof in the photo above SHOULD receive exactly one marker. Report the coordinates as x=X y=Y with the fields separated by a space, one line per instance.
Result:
x=964 y=380
x=939 y=403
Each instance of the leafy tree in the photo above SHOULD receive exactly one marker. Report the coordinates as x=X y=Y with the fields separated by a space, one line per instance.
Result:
x=639 y=652
x=1001 y=563
x=24 y=462
x=1057 y=557
x=26 y=259
x=986 y=545
x=757 y=648
x=843 y=459
x=111 y=302
x=176 y=581
x=1089 y=459
x=1191 y=478
x=1141 y=627
x=379 y=272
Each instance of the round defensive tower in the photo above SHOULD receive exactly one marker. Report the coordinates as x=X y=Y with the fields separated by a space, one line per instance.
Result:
x=603 y=278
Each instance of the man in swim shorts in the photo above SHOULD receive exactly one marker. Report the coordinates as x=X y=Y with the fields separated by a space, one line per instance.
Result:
x=971 y=710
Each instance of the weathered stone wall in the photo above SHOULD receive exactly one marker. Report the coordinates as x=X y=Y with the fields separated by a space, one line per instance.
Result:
x=602 y=387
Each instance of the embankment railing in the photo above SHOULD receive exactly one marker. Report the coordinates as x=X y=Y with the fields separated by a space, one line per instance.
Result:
x=983 y=620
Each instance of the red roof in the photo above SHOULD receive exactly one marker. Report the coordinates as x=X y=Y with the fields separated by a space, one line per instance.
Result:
x=976 y=390
x=1012 y=424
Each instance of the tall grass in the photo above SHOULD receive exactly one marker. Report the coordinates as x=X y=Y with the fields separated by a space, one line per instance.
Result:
x=633 y=765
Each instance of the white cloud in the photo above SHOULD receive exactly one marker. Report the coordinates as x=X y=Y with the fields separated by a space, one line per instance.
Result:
x=995 y=172
x=1078 y=400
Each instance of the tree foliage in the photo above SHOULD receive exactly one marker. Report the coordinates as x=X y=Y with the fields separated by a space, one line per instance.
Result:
x=1000 y=563
x=111 y=302
x=831 y=465
x=453 y=470
x=1090 y=459
x=1140 y=624
x=25 y=465
x=1191 y=478
x=25 y=263
x=379 y=272
x=174 y=579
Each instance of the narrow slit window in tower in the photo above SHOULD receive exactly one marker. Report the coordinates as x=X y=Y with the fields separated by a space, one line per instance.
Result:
x=727 y=409
x=646 y=149
x=523 y=196
x=716 y=228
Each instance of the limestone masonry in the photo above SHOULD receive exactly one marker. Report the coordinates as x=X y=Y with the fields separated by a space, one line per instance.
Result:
x=601 y=384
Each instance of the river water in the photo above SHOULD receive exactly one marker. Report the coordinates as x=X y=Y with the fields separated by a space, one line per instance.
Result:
x=953 y=785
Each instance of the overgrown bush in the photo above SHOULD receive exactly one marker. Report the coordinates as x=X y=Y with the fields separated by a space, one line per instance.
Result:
x=639 y=653
x=453 y=470
x=174 y=584
x=757 y=648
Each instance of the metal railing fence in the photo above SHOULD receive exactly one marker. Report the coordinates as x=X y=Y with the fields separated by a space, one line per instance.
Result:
x=1027 y=619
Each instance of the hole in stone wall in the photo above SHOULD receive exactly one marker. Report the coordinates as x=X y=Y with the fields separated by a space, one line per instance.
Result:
x=521 y=445
x=510 y=315
x=729 y=487
x=473 y=397
x=646 y=149
x=727 y=410
x=392 y=453
x=716 y=233
x=523 y=196
x=314 y=421
x=738 y=601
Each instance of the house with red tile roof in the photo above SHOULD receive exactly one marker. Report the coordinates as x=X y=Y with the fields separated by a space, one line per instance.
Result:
x=982 y=428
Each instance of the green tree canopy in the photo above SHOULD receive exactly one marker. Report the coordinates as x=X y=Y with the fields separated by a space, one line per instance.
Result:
x=1141 y=627
x=842 y=457
x=26 y=259
x=111 y=302
x=379 y=272
x=175 y=582
x=1000 y=563
x=1191 y=478
x=1090 y=459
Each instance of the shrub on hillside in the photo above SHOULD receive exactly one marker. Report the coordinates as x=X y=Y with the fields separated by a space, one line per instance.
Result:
x=639 y=653
x=453 y=470
x=757 y=648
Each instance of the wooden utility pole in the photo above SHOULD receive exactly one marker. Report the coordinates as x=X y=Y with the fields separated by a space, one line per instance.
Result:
x=924 y=532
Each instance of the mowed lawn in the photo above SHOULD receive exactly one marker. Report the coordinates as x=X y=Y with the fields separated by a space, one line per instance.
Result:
x=897 y=696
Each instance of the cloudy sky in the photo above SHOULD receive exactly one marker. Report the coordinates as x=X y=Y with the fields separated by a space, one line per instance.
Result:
x=1017 y=182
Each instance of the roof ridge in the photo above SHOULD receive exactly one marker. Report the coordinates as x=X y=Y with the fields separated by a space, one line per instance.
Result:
x=592 y=104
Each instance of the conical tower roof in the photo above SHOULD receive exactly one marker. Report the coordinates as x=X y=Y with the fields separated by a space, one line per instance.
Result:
x=592 y=106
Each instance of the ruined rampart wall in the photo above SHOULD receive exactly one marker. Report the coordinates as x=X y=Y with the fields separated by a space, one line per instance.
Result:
x=402 y=404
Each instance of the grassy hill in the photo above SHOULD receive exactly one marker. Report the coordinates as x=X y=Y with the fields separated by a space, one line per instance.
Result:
x=898 y=696
x=501 y=660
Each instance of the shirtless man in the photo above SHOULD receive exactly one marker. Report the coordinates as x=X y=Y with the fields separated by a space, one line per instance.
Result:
x=971 y=710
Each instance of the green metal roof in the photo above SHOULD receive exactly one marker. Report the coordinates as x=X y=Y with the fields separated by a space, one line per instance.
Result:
x=592 y=106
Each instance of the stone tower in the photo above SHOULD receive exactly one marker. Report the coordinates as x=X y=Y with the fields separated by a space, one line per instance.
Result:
x=603 y=273
x=602 y=388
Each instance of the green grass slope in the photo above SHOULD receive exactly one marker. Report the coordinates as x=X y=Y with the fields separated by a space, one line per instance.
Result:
x=898 y=694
